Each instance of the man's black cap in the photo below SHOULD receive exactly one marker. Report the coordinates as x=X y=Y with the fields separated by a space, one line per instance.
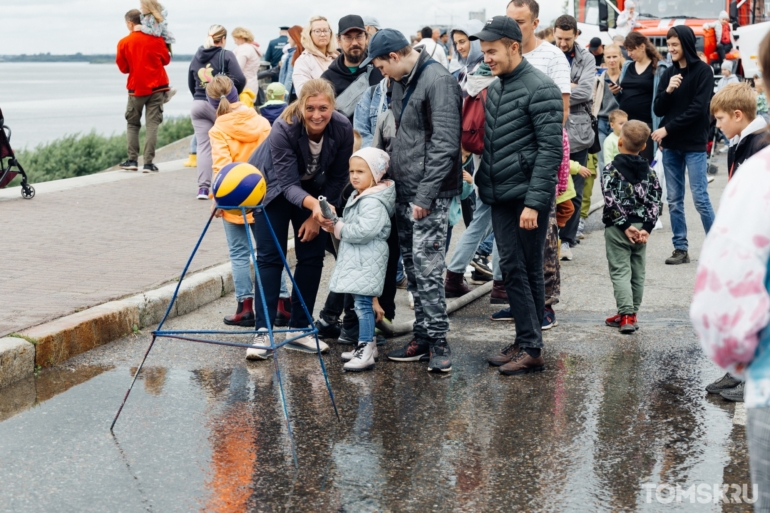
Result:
x=351 y=22
x=284 y=28
x=498 y=28
x=383 y=43
x=595 y=43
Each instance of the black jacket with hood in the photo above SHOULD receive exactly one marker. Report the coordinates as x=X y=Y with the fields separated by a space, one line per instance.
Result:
x=208 y=63
x=685 y=111
x=341 y=77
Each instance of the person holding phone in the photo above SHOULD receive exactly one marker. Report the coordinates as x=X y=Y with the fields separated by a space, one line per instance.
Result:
x=605 y=102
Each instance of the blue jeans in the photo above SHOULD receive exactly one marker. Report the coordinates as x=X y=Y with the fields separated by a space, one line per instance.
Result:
x=674 y=162
x=477 y=231
x=485 y=248
x=365 y=313
x=240 y=261
x=194 y=145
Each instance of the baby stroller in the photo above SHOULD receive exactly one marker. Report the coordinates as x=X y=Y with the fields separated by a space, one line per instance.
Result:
x=9 y=166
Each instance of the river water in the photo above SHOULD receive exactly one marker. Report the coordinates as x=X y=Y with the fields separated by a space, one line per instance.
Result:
x=45 y=101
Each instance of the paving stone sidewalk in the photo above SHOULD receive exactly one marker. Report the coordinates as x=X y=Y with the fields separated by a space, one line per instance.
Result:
x=70 y=250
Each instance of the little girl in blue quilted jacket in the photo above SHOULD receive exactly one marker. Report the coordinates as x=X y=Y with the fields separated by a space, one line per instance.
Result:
x=363 y=252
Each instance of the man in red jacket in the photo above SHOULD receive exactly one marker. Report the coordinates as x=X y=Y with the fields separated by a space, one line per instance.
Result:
x=143 y=57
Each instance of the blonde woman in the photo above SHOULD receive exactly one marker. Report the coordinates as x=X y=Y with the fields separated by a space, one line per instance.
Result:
x=320 y=49
x=210 y=60
x=604 y=101
x=306 y=156
x=155 y=21
x=248 y=56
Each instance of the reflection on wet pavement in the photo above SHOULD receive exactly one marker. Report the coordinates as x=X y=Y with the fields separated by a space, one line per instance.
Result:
x=609 y=415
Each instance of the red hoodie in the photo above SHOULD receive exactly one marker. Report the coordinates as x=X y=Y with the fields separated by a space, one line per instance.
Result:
x=143 y=57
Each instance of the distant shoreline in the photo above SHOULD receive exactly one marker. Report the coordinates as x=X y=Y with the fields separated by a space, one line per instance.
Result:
x=78 y=57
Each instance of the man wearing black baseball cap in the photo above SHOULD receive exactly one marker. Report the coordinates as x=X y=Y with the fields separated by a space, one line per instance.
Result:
x=425 y=163
x=352 y=39
x=524 y=127
x=350 y=79
x=596 y=48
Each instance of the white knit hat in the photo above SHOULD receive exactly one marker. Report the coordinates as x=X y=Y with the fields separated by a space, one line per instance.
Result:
x=377 y=160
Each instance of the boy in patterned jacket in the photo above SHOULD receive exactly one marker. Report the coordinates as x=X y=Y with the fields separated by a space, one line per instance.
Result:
x=632 y=203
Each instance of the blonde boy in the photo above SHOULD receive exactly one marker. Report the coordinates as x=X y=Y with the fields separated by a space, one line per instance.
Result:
x=735 y=109
x=618 y=118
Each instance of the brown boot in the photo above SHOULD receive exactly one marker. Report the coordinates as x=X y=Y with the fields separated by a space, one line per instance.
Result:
x=504 y=356
x=454 y=285
x=522 y=363
x=499 y=295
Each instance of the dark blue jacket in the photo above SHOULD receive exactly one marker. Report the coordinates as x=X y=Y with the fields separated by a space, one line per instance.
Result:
x=275 y=50
x=283 y=158
x=210 y=62
x=271 y=112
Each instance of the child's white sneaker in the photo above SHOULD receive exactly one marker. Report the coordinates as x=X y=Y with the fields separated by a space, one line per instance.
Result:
x=363 y=358
x=260 y=339
x=348 y=355
x=169 y=94
x=306 y=344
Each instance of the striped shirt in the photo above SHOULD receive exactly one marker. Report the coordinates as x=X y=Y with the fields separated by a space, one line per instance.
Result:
x=551 y=61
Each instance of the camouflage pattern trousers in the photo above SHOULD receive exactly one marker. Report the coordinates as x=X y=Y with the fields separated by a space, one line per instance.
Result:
x=423 y=243
x=551 y=270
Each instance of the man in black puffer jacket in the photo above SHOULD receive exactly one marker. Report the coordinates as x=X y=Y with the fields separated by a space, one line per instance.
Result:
x=517 y=177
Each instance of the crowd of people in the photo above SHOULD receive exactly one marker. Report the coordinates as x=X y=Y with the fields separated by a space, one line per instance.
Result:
x=495 y=125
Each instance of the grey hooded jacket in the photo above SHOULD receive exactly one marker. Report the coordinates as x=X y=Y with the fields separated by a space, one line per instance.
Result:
x=425 y=159
x=582 y=71
x=363 y=233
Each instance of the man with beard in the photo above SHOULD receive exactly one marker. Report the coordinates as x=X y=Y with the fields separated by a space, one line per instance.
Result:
x=345 y=71
x=350 y=81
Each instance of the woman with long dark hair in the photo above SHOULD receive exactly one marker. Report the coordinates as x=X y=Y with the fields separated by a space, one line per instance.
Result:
x=306 y=156
x=639 y=84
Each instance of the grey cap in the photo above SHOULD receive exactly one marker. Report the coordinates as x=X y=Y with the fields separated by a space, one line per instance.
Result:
x=372 y=22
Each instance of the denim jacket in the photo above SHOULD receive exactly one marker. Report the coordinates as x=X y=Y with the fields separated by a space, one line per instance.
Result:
x=287 y=68
x=374 y=102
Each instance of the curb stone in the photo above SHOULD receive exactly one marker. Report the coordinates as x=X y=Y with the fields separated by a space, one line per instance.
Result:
x=17 y=359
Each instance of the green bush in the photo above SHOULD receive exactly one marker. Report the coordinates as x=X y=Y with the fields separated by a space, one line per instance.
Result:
x=78 y=155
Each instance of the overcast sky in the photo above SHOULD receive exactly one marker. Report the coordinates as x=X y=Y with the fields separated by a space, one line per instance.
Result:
x=95 y=26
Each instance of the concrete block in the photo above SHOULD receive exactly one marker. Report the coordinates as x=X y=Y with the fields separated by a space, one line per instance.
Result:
x=198 y=290
x=17 y=360
x=154 y=306
x=69 y=336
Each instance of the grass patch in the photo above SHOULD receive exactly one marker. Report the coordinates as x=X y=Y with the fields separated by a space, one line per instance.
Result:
x=80 y=155
x=31 y=340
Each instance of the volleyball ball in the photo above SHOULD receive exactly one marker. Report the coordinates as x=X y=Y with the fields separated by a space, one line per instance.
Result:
x=239 y=185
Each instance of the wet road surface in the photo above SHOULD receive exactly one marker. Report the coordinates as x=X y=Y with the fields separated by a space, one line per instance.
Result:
x=204 y=430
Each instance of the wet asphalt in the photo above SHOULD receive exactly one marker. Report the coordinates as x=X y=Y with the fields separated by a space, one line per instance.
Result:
x=204 y=429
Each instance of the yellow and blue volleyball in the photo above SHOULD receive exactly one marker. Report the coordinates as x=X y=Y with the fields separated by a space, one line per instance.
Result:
x=239 y=185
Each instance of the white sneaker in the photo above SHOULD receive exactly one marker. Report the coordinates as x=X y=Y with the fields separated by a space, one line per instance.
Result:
x=658 y=225
x=566 y=251
x=363 y=358
x=260 y=339
x=348 y=355
x=710 y=178
x=306 y=344
x=411 y=301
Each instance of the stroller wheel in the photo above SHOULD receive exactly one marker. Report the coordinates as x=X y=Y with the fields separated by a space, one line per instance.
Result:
x=28 y=192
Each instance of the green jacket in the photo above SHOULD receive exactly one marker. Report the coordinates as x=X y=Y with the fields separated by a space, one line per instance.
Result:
x=522 y=139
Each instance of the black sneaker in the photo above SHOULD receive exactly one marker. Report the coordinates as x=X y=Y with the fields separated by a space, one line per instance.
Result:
x=440 y=357
x=414 y=351
x=478 y=278
x=679 y=256
x=348 y=336
x=150 y=168
x=327 y=328
x=481 y=265
x=734 y=394
x=726 y=382
x=130 y=165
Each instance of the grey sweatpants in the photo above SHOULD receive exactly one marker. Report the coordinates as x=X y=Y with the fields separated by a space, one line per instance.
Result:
x=203 y=117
